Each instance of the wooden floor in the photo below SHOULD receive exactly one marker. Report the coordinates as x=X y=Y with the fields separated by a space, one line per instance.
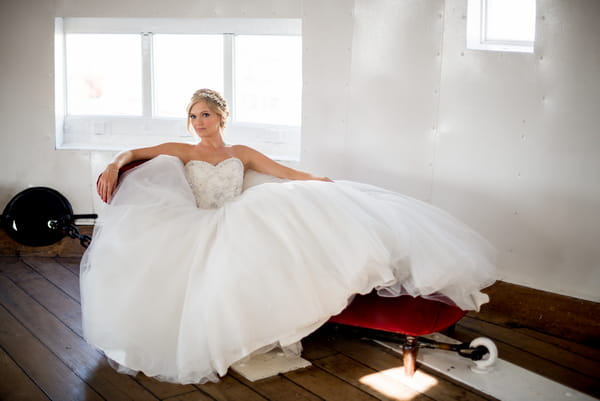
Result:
x=43 y=355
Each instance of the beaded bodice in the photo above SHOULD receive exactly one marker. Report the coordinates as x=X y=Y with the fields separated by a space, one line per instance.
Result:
x=213 y=185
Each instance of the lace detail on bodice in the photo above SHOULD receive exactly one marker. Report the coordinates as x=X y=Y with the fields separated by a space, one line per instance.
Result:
x=213 y=185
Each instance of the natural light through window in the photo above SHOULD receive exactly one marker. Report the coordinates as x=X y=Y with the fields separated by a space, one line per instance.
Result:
x=512 y=20
x=501 y=25
x=258 y=97
x=104 y=74
x=395 y=384
x=181 y=62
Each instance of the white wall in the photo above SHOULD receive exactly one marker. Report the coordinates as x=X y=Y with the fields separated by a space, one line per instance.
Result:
x=519 y=146
x=508 y=143
x=327 y=60
x=396 y=63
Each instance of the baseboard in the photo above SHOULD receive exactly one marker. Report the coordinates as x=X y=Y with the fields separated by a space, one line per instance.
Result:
x=66 y=247
x=570 y=318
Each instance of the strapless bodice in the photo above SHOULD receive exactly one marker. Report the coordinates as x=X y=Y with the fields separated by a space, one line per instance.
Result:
x=213 y=185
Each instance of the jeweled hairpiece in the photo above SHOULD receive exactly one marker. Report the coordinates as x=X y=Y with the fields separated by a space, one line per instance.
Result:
x=214 y=98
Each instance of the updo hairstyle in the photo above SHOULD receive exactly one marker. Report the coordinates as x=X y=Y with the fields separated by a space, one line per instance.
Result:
x=215 y=102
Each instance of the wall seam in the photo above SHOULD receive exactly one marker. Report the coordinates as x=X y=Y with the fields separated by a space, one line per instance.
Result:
x=348 y=90
x=436 y=118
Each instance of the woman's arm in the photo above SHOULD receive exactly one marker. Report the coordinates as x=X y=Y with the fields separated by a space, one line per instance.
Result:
x=255 y=160
x=109 y=177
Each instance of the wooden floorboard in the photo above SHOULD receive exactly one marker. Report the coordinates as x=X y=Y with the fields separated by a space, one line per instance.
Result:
x=363 y=377
x=570 y=346
x=44 y=368
x=515 y=350
x=525 y=342
x=163 y=390
x=70 y=263
x=230 y=389
x=381 y=359
x=277 y=388
x=55 y=300
x=68 y=347
x=43 y=355
x=15 y=383
x=57 y=274
x=514 y=305
x=327 y=385
x=196 y=395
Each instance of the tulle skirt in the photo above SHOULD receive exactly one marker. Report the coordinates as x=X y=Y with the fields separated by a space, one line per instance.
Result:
x=181 y=293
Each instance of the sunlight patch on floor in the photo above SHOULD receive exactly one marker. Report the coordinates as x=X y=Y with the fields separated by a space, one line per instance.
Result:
x=394 y=383
x=504 y=380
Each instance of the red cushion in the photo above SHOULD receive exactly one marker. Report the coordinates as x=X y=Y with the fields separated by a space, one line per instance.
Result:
x=126 y=167
x=131 y=165
x=405 y=314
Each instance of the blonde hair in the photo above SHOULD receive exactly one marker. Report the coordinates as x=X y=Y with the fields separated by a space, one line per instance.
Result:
x=213 y=100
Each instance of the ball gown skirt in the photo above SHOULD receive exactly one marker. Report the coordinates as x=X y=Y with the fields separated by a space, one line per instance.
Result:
x=181 y=292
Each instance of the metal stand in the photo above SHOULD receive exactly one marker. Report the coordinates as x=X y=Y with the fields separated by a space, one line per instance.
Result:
x=476 y=350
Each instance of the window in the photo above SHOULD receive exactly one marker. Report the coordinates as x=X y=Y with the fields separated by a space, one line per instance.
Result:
x=258 y=97
x=96 y=85
x=124 y=82
x=501 y=25
x=177 y=69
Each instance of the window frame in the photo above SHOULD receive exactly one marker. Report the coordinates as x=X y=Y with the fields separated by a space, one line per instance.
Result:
x=119 y=132
x=477 y=33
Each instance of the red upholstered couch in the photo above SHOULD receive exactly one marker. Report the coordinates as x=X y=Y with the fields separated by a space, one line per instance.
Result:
x=405 y=314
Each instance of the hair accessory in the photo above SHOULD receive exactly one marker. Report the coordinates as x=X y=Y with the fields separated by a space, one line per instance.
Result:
x=214 y=98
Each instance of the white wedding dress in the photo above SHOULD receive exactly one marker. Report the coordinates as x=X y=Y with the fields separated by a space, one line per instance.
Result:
x=187 y=274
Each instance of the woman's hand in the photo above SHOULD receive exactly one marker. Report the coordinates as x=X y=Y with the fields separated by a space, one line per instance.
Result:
x=107 y=182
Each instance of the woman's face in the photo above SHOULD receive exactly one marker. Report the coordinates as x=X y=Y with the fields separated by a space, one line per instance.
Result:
x=204 y=120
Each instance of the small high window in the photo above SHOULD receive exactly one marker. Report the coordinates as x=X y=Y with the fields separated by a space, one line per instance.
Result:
x=501 y=25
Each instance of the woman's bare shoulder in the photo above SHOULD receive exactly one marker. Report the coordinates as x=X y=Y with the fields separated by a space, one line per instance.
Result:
x=240 y=148
x=242 y=151
x=179 y=149
x=177 y=145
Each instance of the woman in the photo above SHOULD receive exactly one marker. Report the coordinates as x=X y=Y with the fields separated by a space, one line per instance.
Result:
x=207 y=115
x=188 y=274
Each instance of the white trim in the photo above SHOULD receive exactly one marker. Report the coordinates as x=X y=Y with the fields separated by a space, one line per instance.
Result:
x=60 y=85
x=147 y=83
x=246 y=26
x=476 y=32
x=228 y=63
x=118 y=133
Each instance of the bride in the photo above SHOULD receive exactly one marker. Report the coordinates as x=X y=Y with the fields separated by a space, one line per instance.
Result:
x=207 y=115
x=188 y=273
